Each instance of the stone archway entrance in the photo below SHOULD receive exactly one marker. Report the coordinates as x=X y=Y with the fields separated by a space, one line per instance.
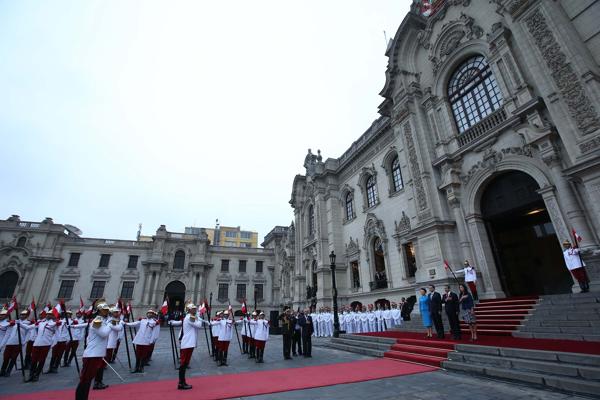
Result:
x=522 y=237
x=175 y=291
x=8 y=284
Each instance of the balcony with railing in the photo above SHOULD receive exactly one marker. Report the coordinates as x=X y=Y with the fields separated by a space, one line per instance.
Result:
x=378 y=284
x=484 y=126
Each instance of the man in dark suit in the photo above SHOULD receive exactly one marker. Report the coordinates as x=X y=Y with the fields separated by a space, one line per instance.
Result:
x=287 y=329
x=450 y=300
x=436 y=311
x=306 y=323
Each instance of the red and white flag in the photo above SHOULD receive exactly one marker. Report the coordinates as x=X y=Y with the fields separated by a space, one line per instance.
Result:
x=230 y=309
x=244 y=309
x=81 y=305
x=128 y=310
x=202 y=308
x=426 y=8
x=32 y=305
x=57 y=310
x=576 y=236
x=12 y=305
x=165 y=306
x=46 y=310
x=446 y=265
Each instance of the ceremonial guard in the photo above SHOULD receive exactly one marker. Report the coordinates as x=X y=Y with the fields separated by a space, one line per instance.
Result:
x=576 y=266
x=470 y=278
x=372 y=319
x=260 y=332
x=96 y=341
x=386 y=314
x=187 y=339
x=11 y=341
x=396 y=317
x=60 y=343
x=73 y=345
x=215 y=331
x=113 y=337
x=251 y=340
x=41 y=346
x=143 y=339
x=245 y=335
x=30 y=340
x=225 y=335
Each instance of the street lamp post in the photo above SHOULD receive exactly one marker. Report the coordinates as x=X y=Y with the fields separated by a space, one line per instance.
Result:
x=336 y=319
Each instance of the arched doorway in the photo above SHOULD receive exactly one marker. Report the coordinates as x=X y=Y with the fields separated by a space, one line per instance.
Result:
x=175 y=291
x=382 y=304
x=8 y=284
x=526 y=249
x=356 y=305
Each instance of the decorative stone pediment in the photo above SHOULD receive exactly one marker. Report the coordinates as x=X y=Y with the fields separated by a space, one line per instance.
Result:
x=259 y=279
x=403 y=226
x=242 y=278
x=492 y=157
x=373 y=227
x=70 y=273
x=130 y=274
x=101 y=274
x=352 y=248
x=223 y=278
x=451 y=36
x=425 y=35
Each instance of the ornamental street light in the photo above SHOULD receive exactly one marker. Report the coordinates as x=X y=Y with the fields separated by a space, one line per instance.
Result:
x=336 y=320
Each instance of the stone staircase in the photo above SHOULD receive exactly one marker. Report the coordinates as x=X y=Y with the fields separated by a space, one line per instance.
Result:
x=366 y=345
x=570 y=316
x=569 y=372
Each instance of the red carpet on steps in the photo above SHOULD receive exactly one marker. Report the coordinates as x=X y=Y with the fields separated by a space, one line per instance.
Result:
x=570 y=346
x=244 y=384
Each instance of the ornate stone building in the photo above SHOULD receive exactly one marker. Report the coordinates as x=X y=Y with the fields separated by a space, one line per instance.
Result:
x=49 y=261
x=487 y=149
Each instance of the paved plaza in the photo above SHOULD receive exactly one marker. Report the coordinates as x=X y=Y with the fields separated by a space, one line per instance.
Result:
x=432 y=385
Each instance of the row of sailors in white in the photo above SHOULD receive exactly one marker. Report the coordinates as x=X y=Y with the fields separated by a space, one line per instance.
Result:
x=356 y=322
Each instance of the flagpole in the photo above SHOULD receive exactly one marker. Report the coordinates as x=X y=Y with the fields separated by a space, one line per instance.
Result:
x=210 y=326
x=236 y=332
x=34 y=309
x=64 y=312
x=18 y=326
x=452 y=272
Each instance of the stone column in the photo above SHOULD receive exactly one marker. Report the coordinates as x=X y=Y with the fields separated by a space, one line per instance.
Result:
x=49 y=278
x=484 y=258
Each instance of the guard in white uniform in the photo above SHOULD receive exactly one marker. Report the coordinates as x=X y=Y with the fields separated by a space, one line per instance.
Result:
x=225 y=335
x=143 y=338
x=73 y=345
x=10 y=342
x=576 y=266
x=470 y=278
x=260 y=330
x=41 y=346
x=113 y=338
x=187 y=338
x=215 y=330
x=396 y=317
x=387 y=317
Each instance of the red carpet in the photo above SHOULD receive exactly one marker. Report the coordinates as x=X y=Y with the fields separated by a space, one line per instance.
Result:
x=569 y=346
x=244 y=384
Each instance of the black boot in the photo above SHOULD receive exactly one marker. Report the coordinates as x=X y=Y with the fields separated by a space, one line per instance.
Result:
x=137 y=367
x=82 y=392
x=98 y=385
x=224 y=359
x=262 y=353
x=66 y=359
x=27 y=361
x=252 y=352
x=53 y=368
x=11 y=364
x=3 y=369
x=182 y=384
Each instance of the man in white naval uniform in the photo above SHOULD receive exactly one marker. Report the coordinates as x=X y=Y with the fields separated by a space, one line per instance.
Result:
x=372 y=321
x=349 y=318
x=187 y=338
x=143 y=339
x=315 y=318
x=357 y=322
x=379 y=316
x=387 y=317
x=395 y=313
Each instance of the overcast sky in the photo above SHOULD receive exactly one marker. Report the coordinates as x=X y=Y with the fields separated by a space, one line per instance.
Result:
x=114 y=113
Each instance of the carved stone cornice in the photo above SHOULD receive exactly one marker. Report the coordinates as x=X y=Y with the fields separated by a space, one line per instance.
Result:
x=492 y=157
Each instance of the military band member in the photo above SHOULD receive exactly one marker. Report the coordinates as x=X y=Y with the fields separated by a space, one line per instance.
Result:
x=10 y=342
x=143 y=339
x=187 y=338
x=260 y=331
x=94 y=354
x=576 y=266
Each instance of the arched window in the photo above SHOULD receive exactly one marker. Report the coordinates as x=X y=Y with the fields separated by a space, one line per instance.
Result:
x=473 y=92
x=8 y=283
x=179 y=261
x=349 y=206
x=311 y=220
x=22 y=241
x=371 y=192
x=397 y=175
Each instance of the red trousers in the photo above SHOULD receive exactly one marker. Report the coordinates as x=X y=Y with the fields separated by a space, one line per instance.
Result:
x=245 y=339
x=580 y=275
x=185 y=356
x=39 y=354
x=90 y=367
x=108 y=357
x=59 y=349
x=223 y=345
x=260 y=344
x=11 y=351
x=142 y=351
x=29 y=348
x=473 y=288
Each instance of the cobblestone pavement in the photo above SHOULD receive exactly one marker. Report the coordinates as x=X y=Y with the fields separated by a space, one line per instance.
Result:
x=433 y=385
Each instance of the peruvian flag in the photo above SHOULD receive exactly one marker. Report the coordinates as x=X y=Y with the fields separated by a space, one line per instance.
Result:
x=576 y=236
x=81 y=305
x=426 y=8
x=12 y=305
x=32 y=305
x=128 y=310
x=446 y=265
x=57 y=310
x=244 y=309
x=46 y=310
x=230 y=309
x=202 y=308
x=165 y=306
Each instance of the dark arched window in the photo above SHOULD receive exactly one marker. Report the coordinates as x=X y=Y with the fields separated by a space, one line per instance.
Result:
x=179 y=261
x=349 y=206
x=397 y=175
x=473 y=92
x=22 y=241
x=371 y=192
x=311 y=220
x=8 y=283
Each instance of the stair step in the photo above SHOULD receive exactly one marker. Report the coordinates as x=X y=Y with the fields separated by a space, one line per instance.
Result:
x=508 y=322
x=502 y=312
x=517 y=317
x=439 y=344
x=508 y=303
x=503 y=307
x=509 y=299
x=356 y=349
x=418 y=358
x=429 y=351
x=575 y=385
x=361 y=343
x=484 y=325
x=491 y=332
x=565 y=336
